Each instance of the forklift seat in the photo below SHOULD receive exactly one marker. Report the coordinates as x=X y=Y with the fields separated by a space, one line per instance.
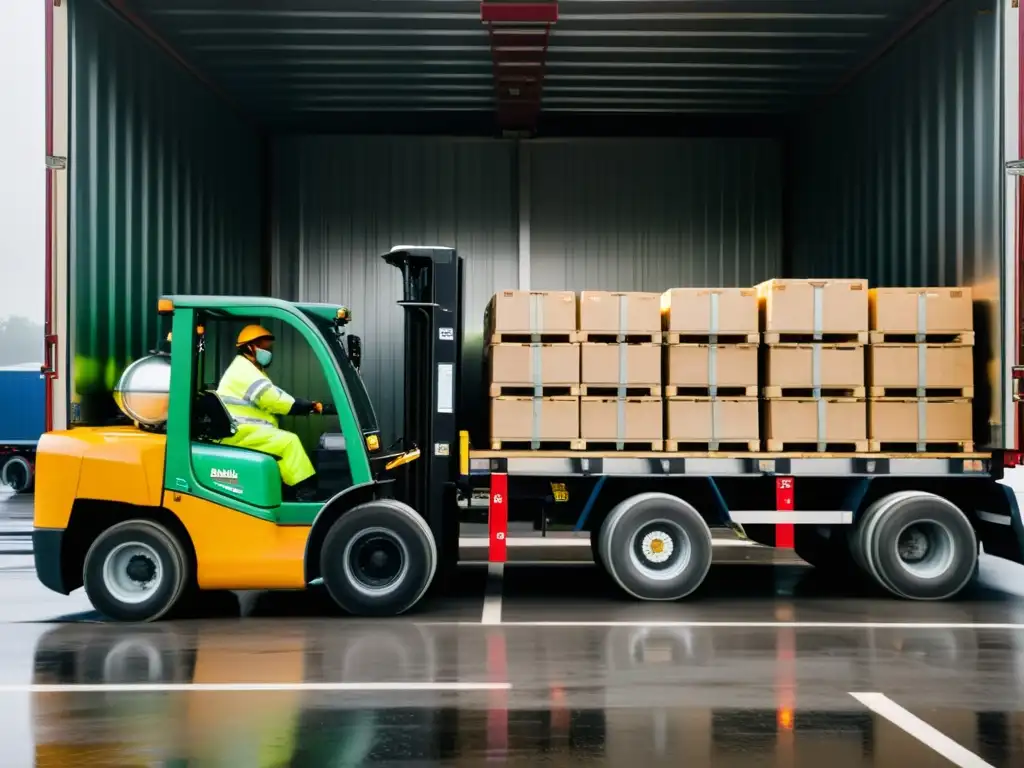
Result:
x=211 y=420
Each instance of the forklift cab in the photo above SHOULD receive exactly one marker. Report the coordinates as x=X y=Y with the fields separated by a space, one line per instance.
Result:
x=202 y=344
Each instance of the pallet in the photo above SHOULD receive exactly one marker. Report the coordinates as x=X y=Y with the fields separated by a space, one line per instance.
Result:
x=627 y=445
x=518 y=444
x=952 y=338
x=929 y=393
x=712 y=338
x=775 y=393
x=525 y=390
x=808 y=337
x=723 y=446
x=529 y=337
x=936 y=446
x=679 y=391
x=793 y=446
x=612 y=390
x=598 y=337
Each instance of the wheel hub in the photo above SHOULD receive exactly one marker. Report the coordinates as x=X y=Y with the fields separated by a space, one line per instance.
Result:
x=376 y=560
x=657 y=546
x=925 y=549
x=141 y=569
x=913 y=545
x=132 y=572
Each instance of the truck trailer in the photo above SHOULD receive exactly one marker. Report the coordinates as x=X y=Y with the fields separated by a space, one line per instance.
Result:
x=147 y=515
x=200 y=155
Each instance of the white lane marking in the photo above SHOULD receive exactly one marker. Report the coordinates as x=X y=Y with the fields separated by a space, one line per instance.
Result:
x=492 y=594
x=481 y=542
x=369 y=687
x=741 y=624
x=882 y=705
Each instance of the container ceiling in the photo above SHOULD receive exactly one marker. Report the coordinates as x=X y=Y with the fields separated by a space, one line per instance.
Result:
x=304 y=61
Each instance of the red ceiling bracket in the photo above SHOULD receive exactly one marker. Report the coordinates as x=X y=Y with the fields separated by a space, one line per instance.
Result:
x=519 y=46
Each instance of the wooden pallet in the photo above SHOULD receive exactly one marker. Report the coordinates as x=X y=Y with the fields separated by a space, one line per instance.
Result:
x=627 y=445
x=518 y=444
x=529 y=337
x=524 y=390
x=774 y=393
x=880 y=446
x=724 y=446
x=936 y=393
x=716 y=338
x=598 y=337
x=953 y=338
x=612 y=390
x=681 y=391
x=794 y=446
x=806 y=337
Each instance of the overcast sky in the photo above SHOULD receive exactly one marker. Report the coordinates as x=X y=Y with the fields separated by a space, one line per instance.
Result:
x=22 y=158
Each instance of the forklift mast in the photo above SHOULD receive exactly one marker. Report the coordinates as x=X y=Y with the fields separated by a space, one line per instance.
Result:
x=432 y=301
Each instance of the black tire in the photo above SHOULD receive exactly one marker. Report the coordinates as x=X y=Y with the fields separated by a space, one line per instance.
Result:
x=383 y=527
x=151 y=539
x=673 y=522
x=915 y=517
x=17 y=474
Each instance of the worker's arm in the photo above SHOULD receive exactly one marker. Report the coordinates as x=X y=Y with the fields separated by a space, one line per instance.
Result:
x=272 y=399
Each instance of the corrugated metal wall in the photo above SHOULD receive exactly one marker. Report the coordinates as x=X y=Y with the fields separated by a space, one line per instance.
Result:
x=165 y=197
x=341 y=202
x=651 y=215
x=898 y=177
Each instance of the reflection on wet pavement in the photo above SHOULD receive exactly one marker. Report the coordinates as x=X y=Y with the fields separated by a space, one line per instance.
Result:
x=580 y=696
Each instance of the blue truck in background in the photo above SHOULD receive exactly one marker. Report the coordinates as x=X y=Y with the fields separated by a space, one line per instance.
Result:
x=22 y=422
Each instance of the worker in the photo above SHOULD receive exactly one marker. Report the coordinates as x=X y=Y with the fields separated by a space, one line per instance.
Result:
x=254 y=403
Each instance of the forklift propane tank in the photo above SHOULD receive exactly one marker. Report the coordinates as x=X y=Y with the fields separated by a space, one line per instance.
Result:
x=143 y=391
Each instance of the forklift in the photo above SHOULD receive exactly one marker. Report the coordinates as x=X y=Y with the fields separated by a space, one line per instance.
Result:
x=147 y=514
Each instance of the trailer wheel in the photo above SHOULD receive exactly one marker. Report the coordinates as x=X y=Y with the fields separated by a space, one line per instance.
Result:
x=656 y=546
x=917 y=545
x=17 y=474
x=378 y=559
x=135 y=571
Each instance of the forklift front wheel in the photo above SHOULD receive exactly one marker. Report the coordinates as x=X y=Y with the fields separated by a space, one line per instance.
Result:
x=135 y=571
x=378 y=559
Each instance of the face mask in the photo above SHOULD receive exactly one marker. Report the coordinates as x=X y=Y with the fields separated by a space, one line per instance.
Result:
x=264 y=356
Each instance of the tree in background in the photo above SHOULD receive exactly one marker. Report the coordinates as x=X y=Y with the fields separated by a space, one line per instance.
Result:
x=21 y=341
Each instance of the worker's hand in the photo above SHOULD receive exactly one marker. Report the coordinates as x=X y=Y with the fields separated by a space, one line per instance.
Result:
x=318 y=407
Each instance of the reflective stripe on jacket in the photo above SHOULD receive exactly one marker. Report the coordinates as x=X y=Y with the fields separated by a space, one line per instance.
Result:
x=250 y=396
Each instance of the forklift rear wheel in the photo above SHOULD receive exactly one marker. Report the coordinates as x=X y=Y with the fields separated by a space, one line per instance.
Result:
x=656 y=546
x=917 y=545
x=135 y=570
x=378 y=559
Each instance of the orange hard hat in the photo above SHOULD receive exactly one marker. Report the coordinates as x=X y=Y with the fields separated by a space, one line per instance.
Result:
x=252 y=333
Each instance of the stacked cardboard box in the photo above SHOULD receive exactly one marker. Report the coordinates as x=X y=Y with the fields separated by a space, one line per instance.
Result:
x=620 y=356
x=813 y=364
x=710 y=364
x=921 y=369
x=533 y=359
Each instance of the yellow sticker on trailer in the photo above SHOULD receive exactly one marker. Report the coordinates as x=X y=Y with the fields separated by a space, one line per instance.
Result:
x=560 y=492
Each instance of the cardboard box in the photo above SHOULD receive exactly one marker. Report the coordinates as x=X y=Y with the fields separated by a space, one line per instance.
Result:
x=694 y=365
x=788 y=306
x=900 y=366
x=625 y=313
x=641 y=419
x=611 y=365
x=921 y=310
x=531 y=312
x=707 y=311
x=838 y=366
x=516 y=419
x=795 y=420
x=529 y=365
x=913 y=421
x=705 y=419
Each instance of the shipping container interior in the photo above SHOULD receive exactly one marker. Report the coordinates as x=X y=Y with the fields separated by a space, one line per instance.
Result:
x=240 y=146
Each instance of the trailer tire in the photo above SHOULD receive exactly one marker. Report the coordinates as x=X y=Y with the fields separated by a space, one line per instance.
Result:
x=656 y=546
x=917 y=545
x=120 y=559
x=17 y=474
x=378 y=559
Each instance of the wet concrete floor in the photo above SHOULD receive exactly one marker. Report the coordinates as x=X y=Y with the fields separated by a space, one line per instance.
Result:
x=768 y=664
